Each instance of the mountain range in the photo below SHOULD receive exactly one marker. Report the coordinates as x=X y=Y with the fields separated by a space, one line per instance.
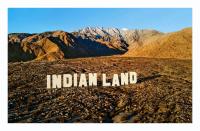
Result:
x=99 y=41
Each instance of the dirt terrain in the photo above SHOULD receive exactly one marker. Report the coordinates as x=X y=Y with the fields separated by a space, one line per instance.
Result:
x=162 y=94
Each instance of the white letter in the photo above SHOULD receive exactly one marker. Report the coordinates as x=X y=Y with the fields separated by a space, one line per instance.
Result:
x=133 y=77
x=104 y=80
x=92 y=79
x=67 y=80
x=56 y=81
x=115 y=80
x=48 y=81
x=83 y=81
x=75 y=80
x=124 y=78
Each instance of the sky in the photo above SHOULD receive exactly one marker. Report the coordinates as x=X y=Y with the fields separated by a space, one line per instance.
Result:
x=37 y=20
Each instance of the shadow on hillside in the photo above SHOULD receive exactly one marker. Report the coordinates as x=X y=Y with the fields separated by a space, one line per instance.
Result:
x=84 y=48
x=140 y=80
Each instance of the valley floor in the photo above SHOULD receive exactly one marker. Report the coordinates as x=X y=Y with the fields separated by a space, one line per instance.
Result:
x=163 y=92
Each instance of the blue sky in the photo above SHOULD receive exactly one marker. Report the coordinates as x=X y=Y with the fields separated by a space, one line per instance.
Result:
x=36 y=20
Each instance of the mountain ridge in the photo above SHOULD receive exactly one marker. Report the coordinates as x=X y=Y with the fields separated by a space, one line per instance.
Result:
x=88 y=42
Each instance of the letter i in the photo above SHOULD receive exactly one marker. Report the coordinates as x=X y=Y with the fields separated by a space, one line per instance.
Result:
x=48 y=81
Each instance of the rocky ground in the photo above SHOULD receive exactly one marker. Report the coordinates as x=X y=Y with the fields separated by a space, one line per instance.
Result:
x=163 y=92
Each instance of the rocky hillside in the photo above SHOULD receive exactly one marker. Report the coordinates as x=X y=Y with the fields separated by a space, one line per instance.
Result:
x=163 y=93
x=89 y=42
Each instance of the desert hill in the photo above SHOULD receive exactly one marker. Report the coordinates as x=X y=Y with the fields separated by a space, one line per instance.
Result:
x=172 y=45
x=57 y=45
